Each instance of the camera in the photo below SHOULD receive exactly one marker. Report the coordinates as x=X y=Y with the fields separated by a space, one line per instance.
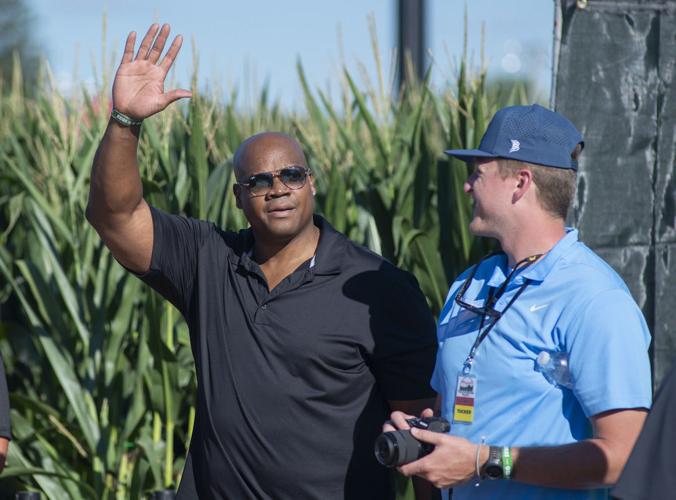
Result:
x=397 y=448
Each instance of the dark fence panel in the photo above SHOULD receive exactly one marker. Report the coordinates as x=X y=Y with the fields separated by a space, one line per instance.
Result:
x=615 y=80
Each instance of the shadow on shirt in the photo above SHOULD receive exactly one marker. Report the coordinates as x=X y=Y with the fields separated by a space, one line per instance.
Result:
x=400 y=353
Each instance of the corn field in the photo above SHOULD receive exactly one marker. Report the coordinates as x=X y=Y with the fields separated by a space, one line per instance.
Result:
x=99 y=367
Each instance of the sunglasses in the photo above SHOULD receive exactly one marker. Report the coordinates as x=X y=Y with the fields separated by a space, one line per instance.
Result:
x=292 y=177
x=489 y=308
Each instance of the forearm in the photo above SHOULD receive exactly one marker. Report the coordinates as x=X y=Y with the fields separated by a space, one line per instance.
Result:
x=585 y=464
x=116 y=189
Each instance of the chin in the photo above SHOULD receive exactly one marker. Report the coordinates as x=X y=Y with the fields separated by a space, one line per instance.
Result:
x=283 y=229
x=478 y=229
x=475 y=227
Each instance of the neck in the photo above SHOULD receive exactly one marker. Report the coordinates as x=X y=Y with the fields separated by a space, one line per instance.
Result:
x=280 y=252
x=531 y=240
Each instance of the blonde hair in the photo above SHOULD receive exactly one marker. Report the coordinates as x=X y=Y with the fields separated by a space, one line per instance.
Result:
x=556 y=186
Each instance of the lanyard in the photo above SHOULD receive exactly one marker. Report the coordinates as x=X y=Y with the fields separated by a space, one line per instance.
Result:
x=490 y=302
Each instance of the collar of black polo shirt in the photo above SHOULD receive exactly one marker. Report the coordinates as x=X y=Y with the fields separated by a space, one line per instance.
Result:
x=328 y=257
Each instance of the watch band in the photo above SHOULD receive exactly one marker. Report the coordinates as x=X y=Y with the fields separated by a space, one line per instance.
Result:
x=493 y=468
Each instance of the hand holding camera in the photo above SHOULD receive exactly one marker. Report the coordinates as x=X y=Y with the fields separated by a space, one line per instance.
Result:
x=399 y=447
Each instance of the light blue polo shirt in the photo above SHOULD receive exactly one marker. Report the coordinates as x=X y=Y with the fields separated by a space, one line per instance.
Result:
x=575 y=303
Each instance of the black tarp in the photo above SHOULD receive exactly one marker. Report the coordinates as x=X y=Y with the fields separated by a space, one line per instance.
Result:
x=614 y=78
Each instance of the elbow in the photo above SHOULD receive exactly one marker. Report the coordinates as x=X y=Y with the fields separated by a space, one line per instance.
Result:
x=616 y=434
x=96 y=217
x=90 y=215
x=615 y=468
x=615 y=460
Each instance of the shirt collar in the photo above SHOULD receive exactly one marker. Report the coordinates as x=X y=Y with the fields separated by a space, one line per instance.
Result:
x=328 y=258
x=249 y=254
x=331 y=248
x=540 y=269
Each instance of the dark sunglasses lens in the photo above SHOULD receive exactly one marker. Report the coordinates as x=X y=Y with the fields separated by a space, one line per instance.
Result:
x=260 y=183
x=293 y=177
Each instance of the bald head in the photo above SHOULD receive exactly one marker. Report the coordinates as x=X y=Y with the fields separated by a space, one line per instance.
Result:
x=267 y=151
x=283 y=212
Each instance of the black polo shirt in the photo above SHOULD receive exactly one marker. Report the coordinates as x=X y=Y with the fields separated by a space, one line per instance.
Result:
x=292 y=383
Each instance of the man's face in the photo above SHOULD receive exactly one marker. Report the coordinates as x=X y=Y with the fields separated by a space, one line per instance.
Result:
x=281 y=213
x=491 y=198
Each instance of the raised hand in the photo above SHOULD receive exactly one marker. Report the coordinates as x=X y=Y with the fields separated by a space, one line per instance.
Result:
x=138 y=89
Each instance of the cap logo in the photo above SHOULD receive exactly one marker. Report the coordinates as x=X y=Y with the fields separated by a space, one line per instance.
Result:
x=516 y=145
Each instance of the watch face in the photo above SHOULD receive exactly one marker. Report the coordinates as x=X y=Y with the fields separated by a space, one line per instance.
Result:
x=493 y=471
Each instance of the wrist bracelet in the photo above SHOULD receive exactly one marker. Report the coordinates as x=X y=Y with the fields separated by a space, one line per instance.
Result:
x=124 y=120
x=476 y=461
x=506 y=462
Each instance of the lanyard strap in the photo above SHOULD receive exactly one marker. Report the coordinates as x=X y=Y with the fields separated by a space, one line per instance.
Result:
x=490 y=301
x=467 y=365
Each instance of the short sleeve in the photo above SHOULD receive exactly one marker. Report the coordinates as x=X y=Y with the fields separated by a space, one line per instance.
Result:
x=405 y=350
x=607 y=344
x=5 y=430
x=176 y=244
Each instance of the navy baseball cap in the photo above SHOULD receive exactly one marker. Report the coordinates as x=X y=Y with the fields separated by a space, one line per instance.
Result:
x=527 y=133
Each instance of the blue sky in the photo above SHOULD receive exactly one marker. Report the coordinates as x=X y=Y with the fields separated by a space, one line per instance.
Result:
x=246 y=43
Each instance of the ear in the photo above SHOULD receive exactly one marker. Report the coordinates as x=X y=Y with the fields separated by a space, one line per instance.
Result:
x=523 y=182
x=313 y=188
x=237 y=191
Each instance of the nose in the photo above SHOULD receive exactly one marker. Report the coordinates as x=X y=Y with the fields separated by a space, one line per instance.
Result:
x=467 y=186
x=278 y=187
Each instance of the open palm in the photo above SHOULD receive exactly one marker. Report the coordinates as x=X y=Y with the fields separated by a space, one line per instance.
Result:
x=138 y=89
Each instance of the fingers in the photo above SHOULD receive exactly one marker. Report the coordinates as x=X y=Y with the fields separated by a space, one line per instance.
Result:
x=168 y=59
x=428 y=436
x=398 y=419
x=427 y=412
x=175 y=95
x=158 y=46
x=417 y=468
x=129 y=48
x=151 y=48
x=147 y=40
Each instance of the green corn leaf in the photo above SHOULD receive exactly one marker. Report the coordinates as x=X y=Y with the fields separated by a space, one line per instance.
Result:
x=61 y=364
x=68 y=294
x=40 y=200
x=380 y=139
x=196 y=159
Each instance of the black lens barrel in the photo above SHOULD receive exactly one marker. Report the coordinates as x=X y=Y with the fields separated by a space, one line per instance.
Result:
x=396 y=448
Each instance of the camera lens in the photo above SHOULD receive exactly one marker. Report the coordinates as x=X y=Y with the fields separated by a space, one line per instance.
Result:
x=386 y=450
x=396 y=448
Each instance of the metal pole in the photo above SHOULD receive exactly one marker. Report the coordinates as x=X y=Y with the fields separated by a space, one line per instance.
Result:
x=411 y=54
